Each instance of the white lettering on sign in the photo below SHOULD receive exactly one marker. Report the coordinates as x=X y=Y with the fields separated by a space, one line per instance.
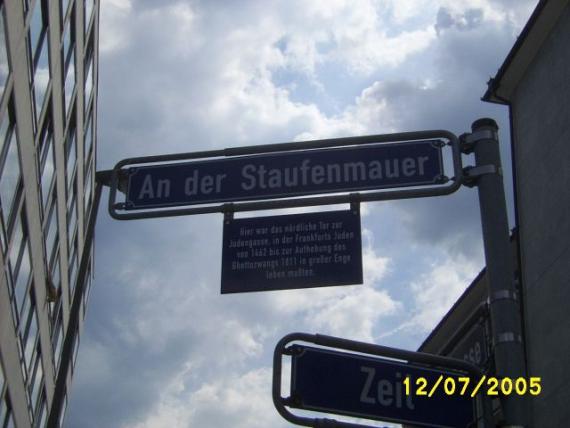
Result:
x=474 y=354
x=205 y=185
x=386 y=393
x=253 y=177
x=260 y=177
x=162 y=189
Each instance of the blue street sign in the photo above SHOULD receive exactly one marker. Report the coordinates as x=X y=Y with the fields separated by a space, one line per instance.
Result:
x=292 y=251
x=360 y=386
x=473 y=347
x=285 y=174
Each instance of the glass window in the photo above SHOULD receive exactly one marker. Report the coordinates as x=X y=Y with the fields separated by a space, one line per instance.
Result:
x=67 y=44
x=75 y=347
x=19 y=262
x=88 y=10
x=6 y=419
x=87 y=192
x=56 y=274
x=3 y=137
x=37 y=27
x=10 y=421
x=51 y=233
x=4 y=411
x=4 y=128
x=41 y=416
x=69 y=86
x=73 y=269
x=36 y=379
x=69 y=74
x=88 y=80
x=48 y=172
x=41 y=78
x=4 y=65
x=72 y=218
x=57 y=338
x=47 y=133
x=71 y=154
x=87 y=289
x=30 y=336
x=9 y=175
x=3 y=403
x=62 y=414
x=26 y=6
x=88 y=137
x=55 y=288
x=22 y=278
x=3 y=238
x=64 y=6
x=17 y=242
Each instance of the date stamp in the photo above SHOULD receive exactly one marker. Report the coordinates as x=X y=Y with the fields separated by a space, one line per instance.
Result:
x=465 y=386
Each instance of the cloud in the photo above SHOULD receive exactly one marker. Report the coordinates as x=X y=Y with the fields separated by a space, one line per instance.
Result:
x=150 y=319
x=432 y=293
x=354 y=315
x=437 y=290
x=242 y=400
x=113 y=26
x=161 y=347
x=467 y=20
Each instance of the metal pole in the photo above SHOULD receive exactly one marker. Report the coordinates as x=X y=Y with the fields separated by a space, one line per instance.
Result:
x=504 y=305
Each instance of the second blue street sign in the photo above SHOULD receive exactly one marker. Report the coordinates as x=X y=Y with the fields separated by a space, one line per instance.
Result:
x=281 y=175
x=349 y=384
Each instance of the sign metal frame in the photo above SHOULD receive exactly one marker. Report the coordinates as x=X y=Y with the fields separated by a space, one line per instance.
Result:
x=117 y=209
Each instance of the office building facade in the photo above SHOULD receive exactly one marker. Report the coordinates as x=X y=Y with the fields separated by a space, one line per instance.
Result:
x=48 y=105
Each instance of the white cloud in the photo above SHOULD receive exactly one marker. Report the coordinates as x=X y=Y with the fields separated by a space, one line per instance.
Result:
x=501 y=12
x=239 y=400
x=353 y=315
x=377 y=49
x=114 y=28
x=436 y=291
x=355 y=311
x=351 y=311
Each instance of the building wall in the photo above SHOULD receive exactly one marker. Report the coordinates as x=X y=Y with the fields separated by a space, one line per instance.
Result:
x=48 y=87
x=541 y=122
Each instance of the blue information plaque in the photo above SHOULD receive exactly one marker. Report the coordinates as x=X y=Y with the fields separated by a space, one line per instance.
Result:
x=292 y=251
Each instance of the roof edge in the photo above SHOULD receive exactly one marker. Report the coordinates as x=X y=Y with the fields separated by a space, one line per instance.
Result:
x=525 y=48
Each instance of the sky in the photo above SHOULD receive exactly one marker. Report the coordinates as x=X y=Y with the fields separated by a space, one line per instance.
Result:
x=161 y=346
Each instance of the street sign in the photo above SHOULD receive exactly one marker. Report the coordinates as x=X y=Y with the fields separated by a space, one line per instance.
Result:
x=285 y=174
x=292 y=251
x=473 y=346
x=464 y=336
x=355 y=385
